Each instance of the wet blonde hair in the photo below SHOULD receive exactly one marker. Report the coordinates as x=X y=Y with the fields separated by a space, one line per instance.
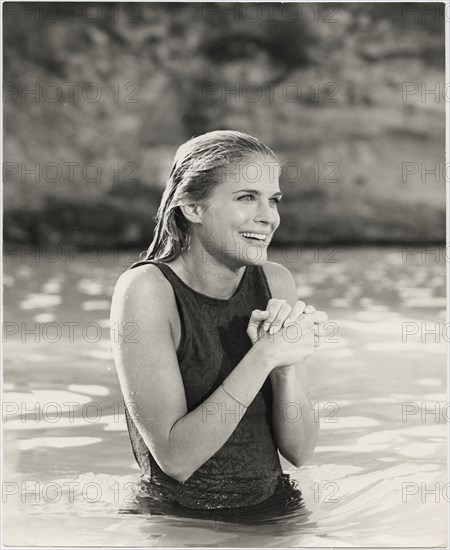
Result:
x=198 y=167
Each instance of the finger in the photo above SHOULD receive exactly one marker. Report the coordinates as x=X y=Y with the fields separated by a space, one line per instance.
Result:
x=273 y=306
x=319 y=335
x=318 y=317
x=256 y=317
x=309 y=309
x=320 y=330
x=297 y=310
x=305 y=325
x=277 y=323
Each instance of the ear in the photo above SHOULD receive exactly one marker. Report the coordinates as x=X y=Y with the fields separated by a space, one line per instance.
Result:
x=192 y=212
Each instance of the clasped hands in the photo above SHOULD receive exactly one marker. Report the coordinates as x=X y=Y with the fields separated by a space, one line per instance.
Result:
x=280 y=315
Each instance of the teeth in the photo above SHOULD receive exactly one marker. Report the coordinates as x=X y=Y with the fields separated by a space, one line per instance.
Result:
x=254 y=236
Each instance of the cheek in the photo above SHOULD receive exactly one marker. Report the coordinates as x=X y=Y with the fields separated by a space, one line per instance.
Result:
x=234 y=217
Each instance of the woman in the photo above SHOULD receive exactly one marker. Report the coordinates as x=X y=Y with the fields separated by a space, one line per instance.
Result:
x=215 y=384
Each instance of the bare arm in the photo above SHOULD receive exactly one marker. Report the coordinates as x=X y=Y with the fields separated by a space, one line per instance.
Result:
x=150 y=379
x=295 y=429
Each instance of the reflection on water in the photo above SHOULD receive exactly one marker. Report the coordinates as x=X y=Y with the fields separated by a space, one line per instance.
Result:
x=285 y=504
x=377 y=478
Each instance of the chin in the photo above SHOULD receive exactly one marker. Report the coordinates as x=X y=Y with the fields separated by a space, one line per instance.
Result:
x=254 y=255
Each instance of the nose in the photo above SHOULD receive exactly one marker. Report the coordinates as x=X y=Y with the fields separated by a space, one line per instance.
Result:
x=265 y=213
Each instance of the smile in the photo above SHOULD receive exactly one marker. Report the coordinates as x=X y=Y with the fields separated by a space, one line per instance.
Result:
x=254 y=237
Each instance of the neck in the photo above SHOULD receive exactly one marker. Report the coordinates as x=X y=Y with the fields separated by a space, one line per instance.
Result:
x=207 y=274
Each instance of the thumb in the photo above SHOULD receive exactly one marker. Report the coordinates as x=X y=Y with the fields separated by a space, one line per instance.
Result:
x=258 y=315
x=256 y=318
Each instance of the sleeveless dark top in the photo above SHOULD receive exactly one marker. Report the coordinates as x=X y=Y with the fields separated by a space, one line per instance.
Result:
x=246 y=470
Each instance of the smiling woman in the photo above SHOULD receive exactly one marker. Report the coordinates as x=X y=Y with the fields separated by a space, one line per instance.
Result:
x=207 y=384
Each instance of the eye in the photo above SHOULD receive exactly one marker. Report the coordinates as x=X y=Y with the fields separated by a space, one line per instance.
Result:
x=246 y=196
x=249 y=197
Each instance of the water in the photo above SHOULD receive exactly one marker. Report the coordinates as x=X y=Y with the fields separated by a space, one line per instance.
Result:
x=69 y=474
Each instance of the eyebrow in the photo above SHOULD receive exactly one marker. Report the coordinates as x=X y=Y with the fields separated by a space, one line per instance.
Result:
x=256 y=192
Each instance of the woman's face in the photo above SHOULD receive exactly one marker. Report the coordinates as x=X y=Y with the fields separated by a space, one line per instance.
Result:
x=242 y=215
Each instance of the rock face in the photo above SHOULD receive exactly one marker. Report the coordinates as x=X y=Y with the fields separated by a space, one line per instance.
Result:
x=98 y=97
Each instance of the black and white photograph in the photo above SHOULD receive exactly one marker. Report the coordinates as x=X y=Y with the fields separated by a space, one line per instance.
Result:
x=224 y=275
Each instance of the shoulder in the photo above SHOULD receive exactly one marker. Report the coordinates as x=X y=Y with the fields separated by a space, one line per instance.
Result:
x=142 y=279
x=281 y=282
x=143 y=287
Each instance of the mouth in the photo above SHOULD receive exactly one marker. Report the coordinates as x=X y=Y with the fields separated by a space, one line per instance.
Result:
x=255 y=238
